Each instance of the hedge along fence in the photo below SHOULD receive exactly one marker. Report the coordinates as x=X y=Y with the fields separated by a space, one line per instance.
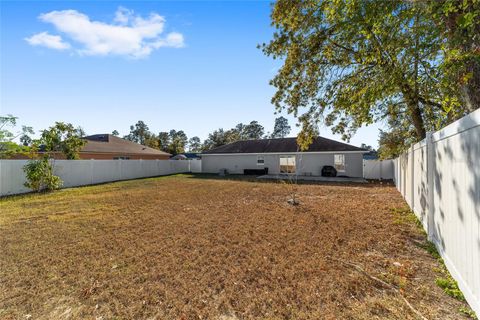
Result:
x=85 y=172
x=439 y=178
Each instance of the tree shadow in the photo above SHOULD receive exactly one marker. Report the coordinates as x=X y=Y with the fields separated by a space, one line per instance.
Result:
x=455 y=189
x=456 y=180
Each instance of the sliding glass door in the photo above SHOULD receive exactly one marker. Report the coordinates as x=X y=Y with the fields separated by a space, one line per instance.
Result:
x=287 y=164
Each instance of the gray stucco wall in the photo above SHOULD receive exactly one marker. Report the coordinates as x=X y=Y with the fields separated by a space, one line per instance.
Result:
x=306 y=162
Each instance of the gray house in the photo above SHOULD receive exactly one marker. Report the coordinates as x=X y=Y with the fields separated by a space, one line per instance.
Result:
x=282 y=156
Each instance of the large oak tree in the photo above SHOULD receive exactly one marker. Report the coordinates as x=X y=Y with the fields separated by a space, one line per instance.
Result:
x=354 y=62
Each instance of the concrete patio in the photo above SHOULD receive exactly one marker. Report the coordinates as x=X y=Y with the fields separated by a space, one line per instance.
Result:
x=311 y=178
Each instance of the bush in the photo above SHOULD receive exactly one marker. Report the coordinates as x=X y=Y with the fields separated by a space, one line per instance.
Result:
x=40 y=177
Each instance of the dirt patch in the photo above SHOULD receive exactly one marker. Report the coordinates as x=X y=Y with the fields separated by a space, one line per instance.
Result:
x=185 y=248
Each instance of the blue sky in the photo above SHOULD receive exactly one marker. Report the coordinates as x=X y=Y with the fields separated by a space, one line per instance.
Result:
x=190 y=66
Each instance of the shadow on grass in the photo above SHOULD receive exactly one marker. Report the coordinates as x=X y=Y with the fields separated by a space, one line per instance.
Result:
x=253 y=178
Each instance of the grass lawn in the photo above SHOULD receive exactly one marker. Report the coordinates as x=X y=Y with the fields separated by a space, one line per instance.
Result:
x=191 y=247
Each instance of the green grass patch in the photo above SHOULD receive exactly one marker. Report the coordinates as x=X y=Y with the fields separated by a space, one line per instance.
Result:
x=468 y=313
x=446 y=281
x=450 y=286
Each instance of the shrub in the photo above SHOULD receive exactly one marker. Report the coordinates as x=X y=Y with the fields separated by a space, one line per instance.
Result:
x=40 y=177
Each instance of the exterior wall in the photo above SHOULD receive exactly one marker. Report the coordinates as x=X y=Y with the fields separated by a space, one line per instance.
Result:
x=305 y=163
x=233 y=163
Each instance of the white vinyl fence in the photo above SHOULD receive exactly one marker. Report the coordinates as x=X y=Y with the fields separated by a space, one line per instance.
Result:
x=195 y=166
x=440 y=180
x=378 y=169
x=85 y=172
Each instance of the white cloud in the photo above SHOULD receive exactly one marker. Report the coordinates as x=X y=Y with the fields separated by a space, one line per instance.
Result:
x=129 y=34
x=123 y=15
x=48 y=40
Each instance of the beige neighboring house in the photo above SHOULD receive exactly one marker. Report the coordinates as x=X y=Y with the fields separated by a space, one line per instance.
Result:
x=109 y=147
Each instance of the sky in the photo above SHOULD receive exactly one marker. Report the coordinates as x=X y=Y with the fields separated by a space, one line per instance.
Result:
x=183 y=65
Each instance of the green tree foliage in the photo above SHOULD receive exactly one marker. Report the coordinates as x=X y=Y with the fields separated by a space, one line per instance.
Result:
x=115 y=133
x=252 y=131
x=352 y=63
x=151 y=141
x=194 y=144
x=62 y=138
x=163 y=139
x=459 y=23
x=178 y=141
x=220 y=137
x=215 y=139
x=281 y=128
x=173 y=142
x=138 y=133
x=81 y=132
x=367 y=147
x=8 y=147
x=396 y=139
x=40 y=177
x=25 y=139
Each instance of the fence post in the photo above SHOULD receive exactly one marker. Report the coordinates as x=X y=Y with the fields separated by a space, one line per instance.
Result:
x=412 y=179
x=91 y=170
x=381 y=167
x=430 y=185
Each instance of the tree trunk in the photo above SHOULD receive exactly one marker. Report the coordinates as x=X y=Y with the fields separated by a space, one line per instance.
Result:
x=471 y=90
x=413 y=105
x=460 y=39
x=418 y=123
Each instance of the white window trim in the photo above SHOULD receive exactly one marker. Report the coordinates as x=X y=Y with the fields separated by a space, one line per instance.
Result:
x=344 y=162
x=260 y=158
x=288 y=156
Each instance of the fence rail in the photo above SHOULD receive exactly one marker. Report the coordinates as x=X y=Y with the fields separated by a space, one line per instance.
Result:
x=439 y=178
x=86 y=172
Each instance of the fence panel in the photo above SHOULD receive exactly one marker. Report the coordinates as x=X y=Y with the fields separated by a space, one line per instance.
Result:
x=196 y=166
x=12 y=177
x=420 y=182
x=440 y=180
x=85 y=172
x=378 y=169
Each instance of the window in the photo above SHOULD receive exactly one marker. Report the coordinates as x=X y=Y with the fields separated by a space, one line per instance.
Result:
x=339 y=162
x=287 y=164
x=260 y=160
x=121 y=158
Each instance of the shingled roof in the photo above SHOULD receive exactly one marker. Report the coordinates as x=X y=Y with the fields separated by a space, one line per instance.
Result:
x=107 y=143
x=279 y=145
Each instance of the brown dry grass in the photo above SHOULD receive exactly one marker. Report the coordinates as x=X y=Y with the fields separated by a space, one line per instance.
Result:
x=184 y=248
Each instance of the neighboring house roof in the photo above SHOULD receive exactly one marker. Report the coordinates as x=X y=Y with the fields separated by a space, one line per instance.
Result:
x=186 y=156
x=372 y=155
x=106 y=143
x=319 y=144
x=179 y=157
x=192 y=155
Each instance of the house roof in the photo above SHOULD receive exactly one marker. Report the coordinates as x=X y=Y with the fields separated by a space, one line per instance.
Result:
x=106 y=143
x=319 y=144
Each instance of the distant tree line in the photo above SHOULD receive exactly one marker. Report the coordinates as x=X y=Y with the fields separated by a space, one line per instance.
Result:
x=173 y=141
x=176 y=142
